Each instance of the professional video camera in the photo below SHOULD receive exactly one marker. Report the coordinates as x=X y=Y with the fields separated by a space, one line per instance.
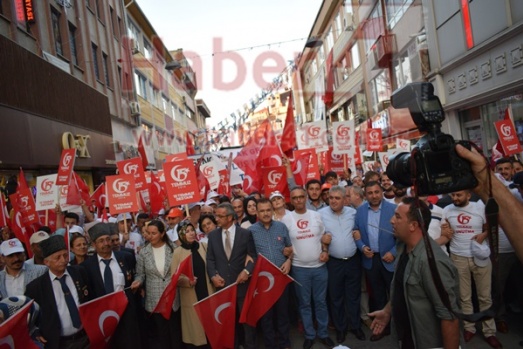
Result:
x=433 y=166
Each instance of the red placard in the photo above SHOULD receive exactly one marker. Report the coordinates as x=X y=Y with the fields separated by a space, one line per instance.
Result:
x=374 y=142
x=26 y=205
x=66 y=166
x=508 y=137
x=121 y=194
x=181 y=182
x=313 y=171
x=274 y=179
x=133 y=167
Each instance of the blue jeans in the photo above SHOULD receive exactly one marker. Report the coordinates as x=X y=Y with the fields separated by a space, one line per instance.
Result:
x=313 y=283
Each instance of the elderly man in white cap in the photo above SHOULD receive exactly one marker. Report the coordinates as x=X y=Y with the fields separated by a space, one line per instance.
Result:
x=17 y=273
x=34 y=242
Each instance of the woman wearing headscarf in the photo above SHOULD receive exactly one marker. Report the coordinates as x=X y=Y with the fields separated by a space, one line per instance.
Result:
x=249 y=207
x=153 y=267
x=191 y=291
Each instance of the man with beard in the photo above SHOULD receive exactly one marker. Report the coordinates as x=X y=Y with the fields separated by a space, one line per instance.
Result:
x=386 y=184
x=469 y=225
x=314 y=201
x=17 y=273
x=399 y=193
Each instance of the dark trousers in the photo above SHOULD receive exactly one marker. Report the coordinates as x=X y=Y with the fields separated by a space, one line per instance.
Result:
x=249 y=332
x=78 y=341
x=163 y=333
x=379 y=280
x=275 y=323
x=345 y=292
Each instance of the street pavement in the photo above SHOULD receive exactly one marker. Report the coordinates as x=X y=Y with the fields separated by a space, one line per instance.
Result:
x=509 y=340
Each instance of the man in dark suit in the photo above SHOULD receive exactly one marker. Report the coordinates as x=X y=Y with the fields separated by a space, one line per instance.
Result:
x=58 y=292
x=231 y=256
x=374 y=238
x=111 y=271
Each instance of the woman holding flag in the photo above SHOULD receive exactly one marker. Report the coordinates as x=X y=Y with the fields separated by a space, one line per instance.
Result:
x=191 y=291
x=153 y=267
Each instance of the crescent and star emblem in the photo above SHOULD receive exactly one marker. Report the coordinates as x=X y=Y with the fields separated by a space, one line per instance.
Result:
x=219 y=310
x=269 y=277
x=104 y=316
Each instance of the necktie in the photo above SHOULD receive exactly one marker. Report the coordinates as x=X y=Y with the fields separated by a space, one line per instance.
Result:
x=228 y=247
x=71 y=305
x=108 y=276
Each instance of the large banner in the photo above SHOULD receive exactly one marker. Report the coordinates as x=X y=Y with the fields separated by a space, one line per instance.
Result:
x=66 y=166
x=313 y=135
x=121 y=194
x=133 y=167
x=181 y=182
x=343 y=138
x=46 y=192
x=508 y=137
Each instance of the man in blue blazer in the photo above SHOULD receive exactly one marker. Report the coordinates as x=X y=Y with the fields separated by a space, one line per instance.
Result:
x=373 y=235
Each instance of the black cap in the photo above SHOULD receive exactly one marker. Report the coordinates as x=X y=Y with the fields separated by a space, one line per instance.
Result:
x=98 y=230
x=517 y=180
x=53 y=244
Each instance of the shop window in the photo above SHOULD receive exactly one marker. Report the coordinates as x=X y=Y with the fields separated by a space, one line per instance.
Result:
x=55 y=19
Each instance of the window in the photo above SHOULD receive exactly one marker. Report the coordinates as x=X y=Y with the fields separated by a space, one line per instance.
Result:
x=373 y=27
x=113 y=22
x=380 y=90
x=105 y=63
x=395 y=10
x=173 y=111
x=94 y=50
x=156 y=97
x=147 y=50
x=165 y=104
x=330 y=39
x=72 y=44
x=134 y=34
x=355 y=56
x=55 y=19
x=141 y=85
x=339 y=25
x=100 y=10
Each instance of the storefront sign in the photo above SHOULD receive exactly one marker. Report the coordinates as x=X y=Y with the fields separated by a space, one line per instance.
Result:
x=78 y=142
x=28 y=9
x=508 y=137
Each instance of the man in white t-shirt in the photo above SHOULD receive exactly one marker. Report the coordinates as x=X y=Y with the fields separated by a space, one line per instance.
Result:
x=308 y=267
x=467 y=220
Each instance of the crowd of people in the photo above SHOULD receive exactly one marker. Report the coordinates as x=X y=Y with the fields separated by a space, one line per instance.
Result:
x=356 y=247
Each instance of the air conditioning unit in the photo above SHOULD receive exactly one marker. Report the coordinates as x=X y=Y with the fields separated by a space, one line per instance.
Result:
x=135 y=108
x=349 y=22
x=385 y=47
x=134 y=46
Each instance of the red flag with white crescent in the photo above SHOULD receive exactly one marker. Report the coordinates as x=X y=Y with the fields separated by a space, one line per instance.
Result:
x=14 y=331
x=265 y=288
x=101 y=316
x=217 y=314
x=99 y=197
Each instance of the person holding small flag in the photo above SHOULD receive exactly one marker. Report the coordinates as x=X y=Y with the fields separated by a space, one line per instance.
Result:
x=272 y=240
x=153 y=268
x=191 y=291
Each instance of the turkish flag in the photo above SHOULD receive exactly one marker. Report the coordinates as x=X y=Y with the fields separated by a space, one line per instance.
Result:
x=4 y=216
x=217 y=315
x=189 y=147
x=20 y=230
x=328 y=96
x=14 y=331
x=101 y=316
x=300 y=166
x=265 y=288
x=77 y=191
x=156 y=194
x=99 y=197
x=203 y=183
x=143 y=152
x=288 y=138
x=47 y=218
x=22 y=183
x=165 y=303
x=24 y=201
x=224 y=188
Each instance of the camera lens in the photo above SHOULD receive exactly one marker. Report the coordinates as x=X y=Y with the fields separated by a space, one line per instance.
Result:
x=398 y=169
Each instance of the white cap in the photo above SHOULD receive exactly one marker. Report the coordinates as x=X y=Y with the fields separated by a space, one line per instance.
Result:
x=276 y=194
x=76 y=229
x=212 y=194
x=481 y=253
x=210 y=202
x=38 y=236
x=11 y=246
x=123 y=216
x=194 y=204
